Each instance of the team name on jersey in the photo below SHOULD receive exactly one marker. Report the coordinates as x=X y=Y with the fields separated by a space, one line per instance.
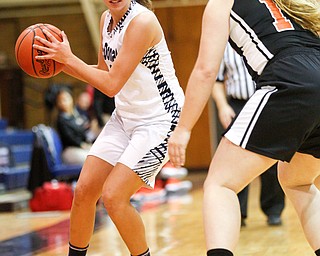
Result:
x=109 y=53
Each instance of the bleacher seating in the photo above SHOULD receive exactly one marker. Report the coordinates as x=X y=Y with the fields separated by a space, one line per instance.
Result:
x=47 y=161
x=3 y=124
x=20 y=144
x=52 y=146
x=22 y=154
x=14 y=177
x=16 y=137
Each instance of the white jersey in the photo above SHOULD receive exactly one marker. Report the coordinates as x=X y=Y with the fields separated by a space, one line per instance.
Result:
x=152 y=93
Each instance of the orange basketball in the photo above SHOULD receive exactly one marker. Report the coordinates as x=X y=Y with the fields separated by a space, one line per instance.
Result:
x=25 y=53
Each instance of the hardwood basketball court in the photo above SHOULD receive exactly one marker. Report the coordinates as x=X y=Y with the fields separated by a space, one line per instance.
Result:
x=174 y=228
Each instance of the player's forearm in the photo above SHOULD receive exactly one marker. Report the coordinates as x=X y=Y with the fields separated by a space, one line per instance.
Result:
x=197 y=95
x=100 y=79
x=70 y=72
x=219 y=95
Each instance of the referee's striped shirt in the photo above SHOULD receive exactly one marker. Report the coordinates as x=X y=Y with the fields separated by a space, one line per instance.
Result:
x=233 y=72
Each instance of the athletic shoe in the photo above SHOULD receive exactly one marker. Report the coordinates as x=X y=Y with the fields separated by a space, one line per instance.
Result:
x=177 y=186
x=169 y=171
x=146 y=194
x=243 y=222
x=274 y=220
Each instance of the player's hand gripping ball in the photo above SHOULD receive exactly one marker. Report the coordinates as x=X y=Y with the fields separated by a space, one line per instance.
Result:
x=25 y=53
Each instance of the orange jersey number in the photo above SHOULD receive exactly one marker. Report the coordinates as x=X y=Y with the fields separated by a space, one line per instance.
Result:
x=281 y=23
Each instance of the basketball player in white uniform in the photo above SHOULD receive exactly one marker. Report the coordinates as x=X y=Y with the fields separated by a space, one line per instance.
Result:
x=135 y=67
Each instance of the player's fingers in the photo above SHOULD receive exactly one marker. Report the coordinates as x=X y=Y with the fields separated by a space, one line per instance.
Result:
x=64 y=37
x=50 y=36
x=174 y=155
x=41 y=48
x=182 y=156
x=171 y=153
x=177 y=160
x=170 y=150
x=43 y=41
x=43 y=51
x=179 y=155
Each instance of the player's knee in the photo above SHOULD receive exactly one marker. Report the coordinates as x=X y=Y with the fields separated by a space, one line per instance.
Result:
x=285 y=180
x=111 y=201
x=289 y=181
x=82 y=194
x=212 y=184
x=209 y=184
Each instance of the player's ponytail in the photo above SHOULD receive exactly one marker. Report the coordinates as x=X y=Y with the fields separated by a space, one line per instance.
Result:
x=145 y=3
x=305 y=12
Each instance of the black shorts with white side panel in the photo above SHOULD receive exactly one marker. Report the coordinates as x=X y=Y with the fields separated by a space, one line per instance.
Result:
x=283 y=115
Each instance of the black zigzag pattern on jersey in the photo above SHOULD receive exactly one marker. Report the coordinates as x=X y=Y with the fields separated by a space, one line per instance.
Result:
x=151 y=61
x=120 y=25
x=156 y=155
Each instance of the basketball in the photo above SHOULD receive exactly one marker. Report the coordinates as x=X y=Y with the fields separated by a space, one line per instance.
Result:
x=25 y=53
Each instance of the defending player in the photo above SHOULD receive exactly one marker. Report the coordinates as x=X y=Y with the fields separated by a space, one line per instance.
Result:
x=280 y=123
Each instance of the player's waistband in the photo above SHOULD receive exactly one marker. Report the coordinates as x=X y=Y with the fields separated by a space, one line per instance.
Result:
x=294 y=50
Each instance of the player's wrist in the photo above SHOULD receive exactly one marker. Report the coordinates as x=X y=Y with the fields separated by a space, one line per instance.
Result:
x=183 y=128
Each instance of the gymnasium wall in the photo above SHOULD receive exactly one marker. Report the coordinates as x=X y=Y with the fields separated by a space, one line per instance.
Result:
x=181 y=26
x=74 y=25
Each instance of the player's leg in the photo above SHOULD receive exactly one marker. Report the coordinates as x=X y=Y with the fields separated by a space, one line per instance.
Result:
x=87 y=193
x=272 y=196
x=231 y=169
x=297 y=179
x=243 y=200
x=317 y=182
x=121 y=184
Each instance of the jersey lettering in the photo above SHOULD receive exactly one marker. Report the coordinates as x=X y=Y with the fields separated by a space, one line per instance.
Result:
x=281 y=23
x=109 y=53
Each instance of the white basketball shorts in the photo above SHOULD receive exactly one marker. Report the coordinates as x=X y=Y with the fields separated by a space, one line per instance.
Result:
x=142 y=147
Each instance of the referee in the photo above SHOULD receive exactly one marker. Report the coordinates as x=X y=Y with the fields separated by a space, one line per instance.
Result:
x=234 y=86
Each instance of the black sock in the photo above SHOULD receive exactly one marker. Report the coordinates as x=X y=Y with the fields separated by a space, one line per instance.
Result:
x=77 y=251
x=146 y=253
x=219 y=252
x=317 y=252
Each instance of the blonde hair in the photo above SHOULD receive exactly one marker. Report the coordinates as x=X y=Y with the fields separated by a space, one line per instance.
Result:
x=145 y=3
x=305 y=12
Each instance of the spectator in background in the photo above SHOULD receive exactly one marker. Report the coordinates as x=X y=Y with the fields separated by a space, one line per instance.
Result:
x=233 y=88
x=103 y=107
x=84 y=105
x=73 y=128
